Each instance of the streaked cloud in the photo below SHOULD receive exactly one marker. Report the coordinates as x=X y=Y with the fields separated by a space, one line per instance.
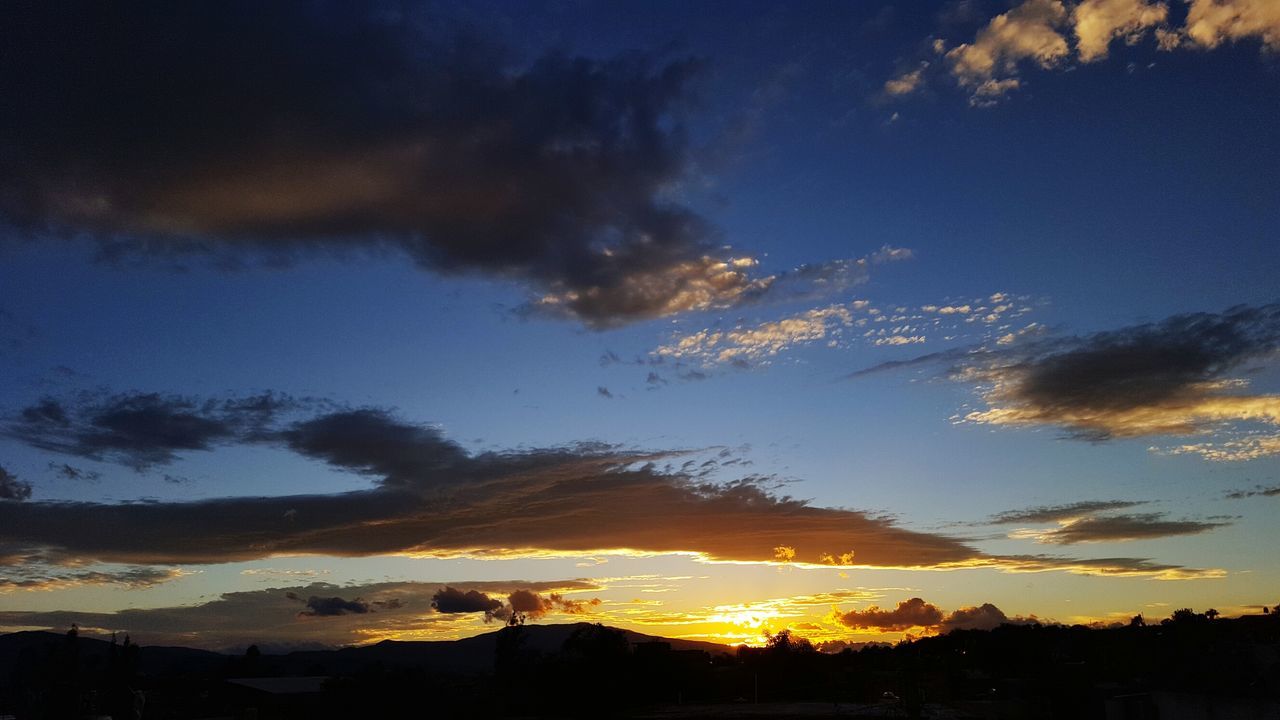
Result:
x=1055 y=513
x=432 y=498
x=1105 y=567
x=1118 y=528
x=1256 y=491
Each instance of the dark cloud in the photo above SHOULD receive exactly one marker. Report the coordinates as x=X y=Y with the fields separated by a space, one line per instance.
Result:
x=1054 y=513
x=431 y=497
x=11 y=488
x=373 y=442
x=983 y=617
x=334 y=606
x=816 y=280
x=1096 y=384
x=1095 y=521
x=453 y=600
x=248 y=130
x=955 y=358
x=1257 y=491
x=915 y=613
x=1169 y=377
x=141 y=430
x=912 y=613
x=603 y=392
x=1139 y=526
x=527 y=604
x=1105 y=566
x=70 y=472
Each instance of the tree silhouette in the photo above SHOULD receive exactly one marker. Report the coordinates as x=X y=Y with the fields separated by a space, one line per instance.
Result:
x=785 y=642
x=1183 y=616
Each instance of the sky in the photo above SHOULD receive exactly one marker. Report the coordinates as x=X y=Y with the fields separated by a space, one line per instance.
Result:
x=324 y=324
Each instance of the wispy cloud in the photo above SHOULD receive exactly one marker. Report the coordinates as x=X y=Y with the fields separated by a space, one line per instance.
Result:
x=1118 y=528
x=1096 y=521
x=1055 y=513
x=843 y=324
x=761 y=341
x=1256 y=491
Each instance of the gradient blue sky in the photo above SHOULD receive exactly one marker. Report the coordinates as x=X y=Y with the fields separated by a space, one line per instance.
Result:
x=1096 y=196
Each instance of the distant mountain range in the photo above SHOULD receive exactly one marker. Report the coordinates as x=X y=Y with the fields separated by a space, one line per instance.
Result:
x=465 y=656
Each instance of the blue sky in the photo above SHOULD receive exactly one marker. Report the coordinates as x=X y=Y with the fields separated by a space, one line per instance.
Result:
x=848 y=173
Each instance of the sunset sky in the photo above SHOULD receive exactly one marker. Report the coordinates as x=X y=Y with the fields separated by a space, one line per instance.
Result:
x=328 y=323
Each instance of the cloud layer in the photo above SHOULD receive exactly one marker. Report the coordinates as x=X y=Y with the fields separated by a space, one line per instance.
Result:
x=302 y=616
x=431 y=497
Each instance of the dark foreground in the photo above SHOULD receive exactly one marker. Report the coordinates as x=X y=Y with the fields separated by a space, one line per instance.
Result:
x=1190 y=666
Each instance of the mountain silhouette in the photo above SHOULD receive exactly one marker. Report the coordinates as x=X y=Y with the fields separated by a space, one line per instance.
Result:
x=464 y=656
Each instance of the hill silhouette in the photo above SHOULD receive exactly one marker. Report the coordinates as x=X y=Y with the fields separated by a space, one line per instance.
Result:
x=1224 y=667
x=466 y=655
